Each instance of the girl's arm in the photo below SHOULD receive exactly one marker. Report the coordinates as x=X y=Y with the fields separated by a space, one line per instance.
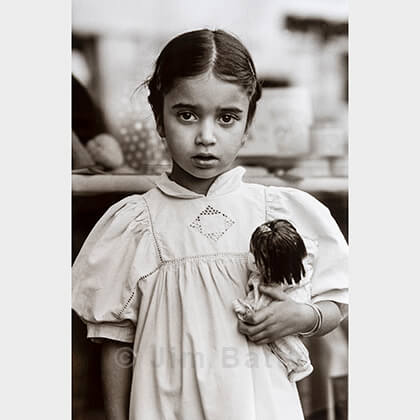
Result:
x=285 y=317
x=116 y=360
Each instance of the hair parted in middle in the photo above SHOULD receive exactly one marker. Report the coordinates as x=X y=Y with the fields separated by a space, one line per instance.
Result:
x=197 y=52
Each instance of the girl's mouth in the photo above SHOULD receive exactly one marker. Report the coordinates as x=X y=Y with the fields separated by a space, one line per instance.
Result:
x=204 y=160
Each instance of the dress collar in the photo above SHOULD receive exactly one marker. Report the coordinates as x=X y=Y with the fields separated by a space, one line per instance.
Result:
x=224 y=183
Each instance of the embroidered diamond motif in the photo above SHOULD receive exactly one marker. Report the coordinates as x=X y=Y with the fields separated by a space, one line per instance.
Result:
x=212 y=223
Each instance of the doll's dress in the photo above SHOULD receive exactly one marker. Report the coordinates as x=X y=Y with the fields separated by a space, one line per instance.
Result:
x=160 y=270
x=289 y=350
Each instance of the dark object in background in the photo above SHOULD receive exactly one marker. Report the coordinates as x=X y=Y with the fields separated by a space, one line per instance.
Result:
x=89 y=132
x=340 y=392
x=271 y=82
x=326 y=29
x=80 y=157
x=87 y=119
x=345 y=64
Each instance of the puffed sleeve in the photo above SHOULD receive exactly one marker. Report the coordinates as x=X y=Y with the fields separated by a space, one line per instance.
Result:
x=320 y=231
x=107 y=269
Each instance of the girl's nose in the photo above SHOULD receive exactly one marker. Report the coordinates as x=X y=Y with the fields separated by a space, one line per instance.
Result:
x=206 y=134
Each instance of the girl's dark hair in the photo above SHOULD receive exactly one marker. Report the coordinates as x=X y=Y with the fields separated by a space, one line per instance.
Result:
x=278 y=250
x=193 y=53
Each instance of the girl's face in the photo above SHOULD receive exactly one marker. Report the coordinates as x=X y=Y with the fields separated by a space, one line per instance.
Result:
x=204 y=122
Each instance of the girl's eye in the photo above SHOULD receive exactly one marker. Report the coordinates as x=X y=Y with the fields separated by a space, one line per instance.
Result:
x=186 y=116
x=227 y=119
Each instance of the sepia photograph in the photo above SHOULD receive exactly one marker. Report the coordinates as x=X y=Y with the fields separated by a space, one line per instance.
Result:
x=209 y=210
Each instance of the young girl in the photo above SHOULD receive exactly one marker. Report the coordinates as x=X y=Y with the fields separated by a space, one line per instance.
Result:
x=160 y=270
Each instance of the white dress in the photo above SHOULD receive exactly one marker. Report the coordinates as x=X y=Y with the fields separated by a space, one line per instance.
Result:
x=161 y=270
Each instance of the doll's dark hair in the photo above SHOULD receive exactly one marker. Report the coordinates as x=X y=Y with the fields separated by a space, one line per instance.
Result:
x=279 y=251
x=193 y=53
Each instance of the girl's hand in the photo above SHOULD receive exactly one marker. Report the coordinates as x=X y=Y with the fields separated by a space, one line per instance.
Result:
x=280 y=318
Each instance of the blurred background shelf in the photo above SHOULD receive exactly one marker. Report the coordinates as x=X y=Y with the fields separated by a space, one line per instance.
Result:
x=98 y=184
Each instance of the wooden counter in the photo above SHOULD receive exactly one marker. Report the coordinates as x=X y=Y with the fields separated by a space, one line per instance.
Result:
x=133 y=183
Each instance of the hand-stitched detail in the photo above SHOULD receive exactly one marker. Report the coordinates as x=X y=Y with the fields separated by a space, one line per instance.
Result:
x=127 y=303
x=212 y=223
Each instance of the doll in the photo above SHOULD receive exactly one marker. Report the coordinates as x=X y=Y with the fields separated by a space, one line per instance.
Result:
x=278 y=257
